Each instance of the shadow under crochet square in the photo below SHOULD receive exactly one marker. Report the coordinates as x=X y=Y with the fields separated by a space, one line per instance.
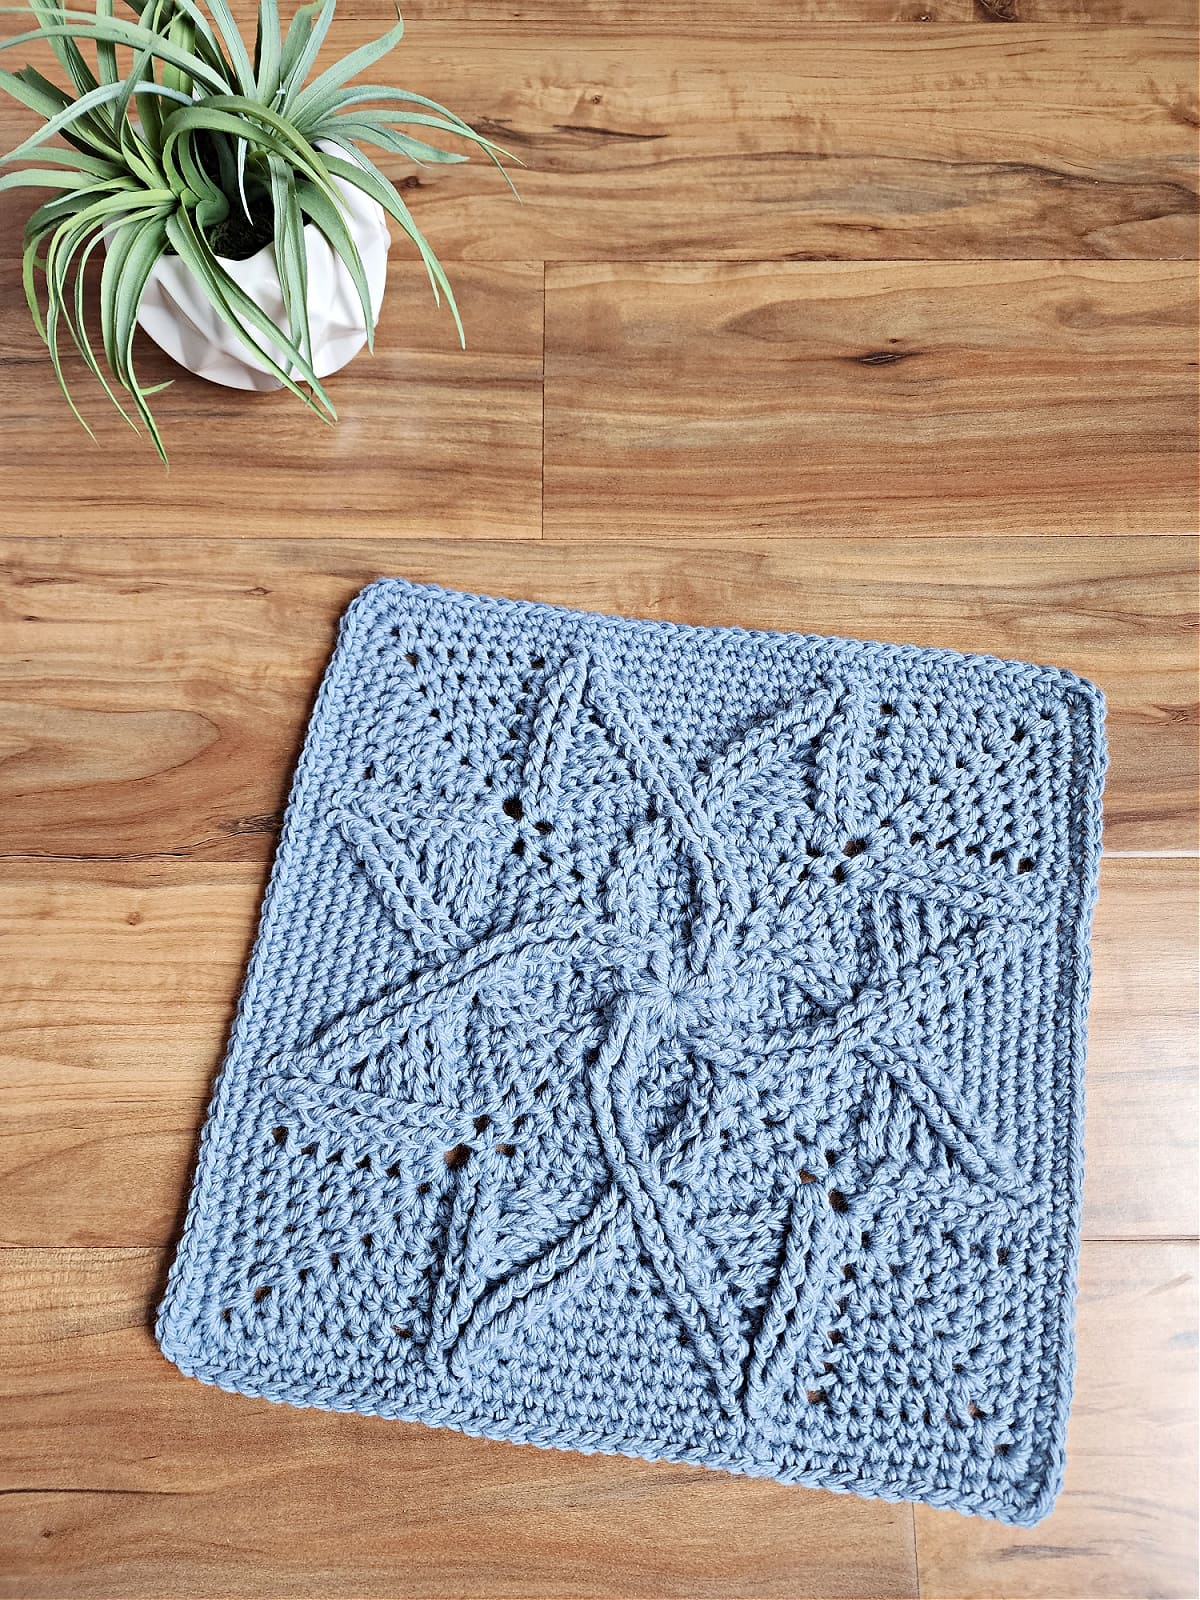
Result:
x=666 y=1041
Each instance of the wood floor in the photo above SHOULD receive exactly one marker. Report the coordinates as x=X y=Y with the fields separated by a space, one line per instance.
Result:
x=873 y=317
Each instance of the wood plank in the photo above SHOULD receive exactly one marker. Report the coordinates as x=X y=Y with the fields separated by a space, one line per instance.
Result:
x=1100 y=13
x=432 y=440
x=122 y=1478
x=772 y=19
x=1141 y=1139
x=156 y=690
x=846 y=142
x=107 y=1062
x=695 y=402
x=1126 y=1522
x=626 y=19
x=120 y=986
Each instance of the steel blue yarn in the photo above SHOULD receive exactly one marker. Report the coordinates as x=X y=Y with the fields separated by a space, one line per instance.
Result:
x=666 y=1041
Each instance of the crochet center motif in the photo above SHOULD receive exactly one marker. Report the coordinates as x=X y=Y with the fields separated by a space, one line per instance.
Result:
x=665 y=1022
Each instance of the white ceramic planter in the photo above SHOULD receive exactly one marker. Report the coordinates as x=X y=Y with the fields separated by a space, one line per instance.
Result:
x=176 y=313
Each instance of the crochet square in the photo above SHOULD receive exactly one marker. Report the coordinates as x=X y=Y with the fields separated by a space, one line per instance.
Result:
x=666 y=1041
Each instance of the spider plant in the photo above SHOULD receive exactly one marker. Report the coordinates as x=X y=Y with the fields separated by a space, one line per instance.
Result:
x=178 y=139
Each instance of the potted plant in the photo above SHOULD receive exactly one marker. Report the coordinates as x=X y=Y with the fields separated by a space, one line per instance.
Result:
x=239 y=219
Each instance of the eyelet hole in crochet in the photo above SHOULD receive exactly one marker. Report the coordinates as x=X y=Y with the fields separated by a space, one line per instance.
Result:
x=838 y=1201
x=513 y=808
x=458 y=1157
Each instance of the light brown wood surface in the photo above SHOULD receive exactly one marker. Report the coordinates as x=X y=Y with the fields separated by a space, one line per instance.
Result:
x=723 y=402
x=865 y=317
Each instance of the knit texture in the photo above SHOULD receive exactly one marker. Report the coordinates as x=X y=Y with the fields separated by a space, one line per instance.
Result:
x=667 y=1041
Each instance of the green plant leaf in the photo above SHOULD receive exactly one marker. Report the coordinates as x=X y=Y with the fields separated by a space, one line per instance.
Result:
x=235 y=46
x=83 y=342
x=313 y=101
x=364 y=129
x=190 y=29
x=102 y=94
x=106 y=53
x=267 y=49
x=291 y=253
x=79 y=25
x=67 y=240
x=305 y=36
x=230 y=300
x=329 y=219
x=368 y=95
x=256 y=125
x=145 y=251
x=39 y=94
x=181 y=31
x=362 y=174
x=67 y=51
x=46 y=178
x=132 y=248
x=52 y=212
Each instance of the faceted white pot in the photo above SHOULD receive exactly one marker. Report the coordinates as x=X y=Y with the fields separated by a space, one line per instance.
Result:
x=177 y=315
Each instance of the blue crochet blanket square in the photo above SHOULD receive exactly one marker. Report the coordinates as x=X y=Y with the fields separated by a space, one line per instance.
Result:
x=666 y=1041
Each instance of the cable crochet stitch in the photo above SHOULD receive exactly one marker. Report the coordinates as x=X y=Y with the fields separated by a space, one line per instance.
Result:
x=666 y=1041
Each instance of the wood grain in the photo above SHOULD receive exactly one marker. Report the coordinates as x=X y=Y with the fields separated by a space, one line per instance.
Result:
x=626 y=19
x=121 y=981
x=1100 y=13
x=156 y=691
x=432 y=440
x=107 y=1062
x=700 y=402
x=772 y=19
x=850 y=142
x=1140 y=1166
x=1125 y=1524
x=125 y=1479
